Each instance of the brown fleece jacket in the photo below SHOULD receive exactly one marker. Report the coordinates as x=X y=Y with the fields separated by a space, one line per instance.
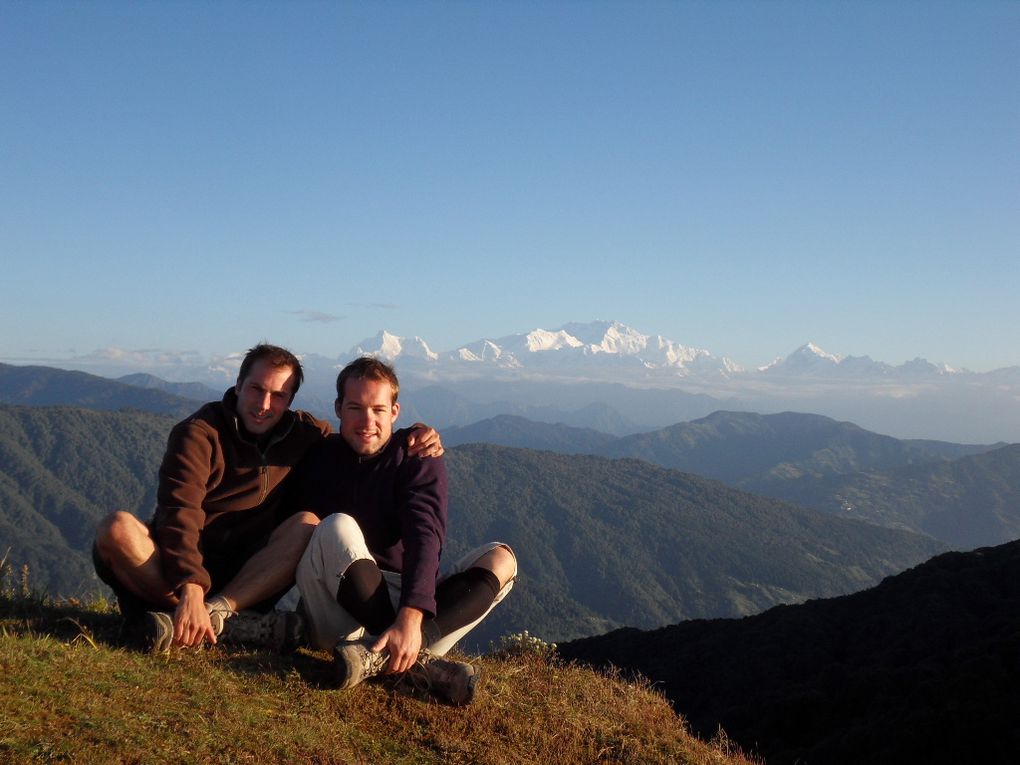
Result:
x=218 y=487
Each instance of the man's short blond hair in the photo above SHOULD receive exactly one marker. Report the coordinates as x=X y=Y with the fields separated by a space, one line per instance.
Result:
x=367 y=368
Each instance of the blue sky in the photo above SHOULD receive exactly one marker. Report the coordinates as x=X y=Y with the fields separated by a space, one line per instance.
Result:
x=741 y=177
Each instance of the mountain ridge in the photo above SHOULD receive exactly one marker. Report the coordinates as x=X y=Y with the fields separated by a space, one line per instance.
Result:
x=44 y=386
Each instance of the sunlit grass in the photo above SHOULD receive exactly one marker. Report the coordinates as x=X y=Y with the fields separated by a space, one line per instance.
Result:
x=70 y=692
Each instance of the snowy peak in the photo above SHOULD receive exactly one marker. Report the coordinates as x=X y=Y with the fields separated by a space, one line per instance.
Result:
x=808 y=359
x=924 y=367
x=811 y=361
x=484 y=352
x=540 y=340
x=390 y=347
x=608 y=337
x=811 y=354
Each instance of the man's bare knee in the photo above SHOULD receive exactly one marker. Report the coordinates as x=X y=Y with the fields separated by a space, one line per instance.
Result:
x=297 y=529
x=298 y=524
x=117 y=532
x=501 y=562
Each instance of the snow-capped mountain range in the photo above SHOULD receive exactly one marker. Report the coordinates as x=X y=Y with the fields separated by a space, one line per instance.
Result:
x=614 y=348
x=586 y=345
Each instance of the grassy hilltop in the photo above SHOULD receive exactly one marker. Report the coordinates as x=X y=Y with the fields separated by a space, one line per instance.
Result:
x=69 y=692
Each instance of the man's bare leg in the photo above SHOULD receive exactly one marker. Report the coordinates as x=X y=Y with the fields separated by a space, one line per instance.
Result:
x=271 y=569
x=125 y=545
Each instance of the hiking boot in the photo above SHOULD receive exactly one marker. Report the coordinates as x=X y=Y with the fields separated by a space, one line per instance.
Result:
x=279 y=631
x=157 y=631
x=447 y=680
x=354 y=661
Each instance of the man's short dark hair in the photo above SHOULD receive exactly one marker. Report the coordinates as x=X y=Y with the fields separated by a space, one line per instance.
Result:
x=367 y=368
x=277 y=357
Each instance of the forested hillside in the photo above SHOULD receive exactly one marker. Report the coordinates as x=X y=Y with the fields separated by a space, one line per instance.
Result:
x=61 y=470
x=964 y=495
x=753 y=451
x=509 y=430
x=622 y=542
x=969 y=502
x=602 y=543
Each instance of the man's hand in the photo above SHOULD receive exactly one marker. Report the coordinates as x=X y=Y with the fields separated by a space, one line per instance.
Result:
x=192 y=626
x=424 y=441
x=402 y=640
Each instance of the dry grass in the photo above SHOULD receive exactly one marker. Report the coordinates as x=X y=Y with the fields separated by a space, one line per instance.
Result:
x=69 y=693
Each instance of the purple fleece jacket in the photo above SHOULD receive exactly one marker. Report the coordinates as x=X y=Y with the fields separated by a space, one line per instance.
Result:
x=399 y=502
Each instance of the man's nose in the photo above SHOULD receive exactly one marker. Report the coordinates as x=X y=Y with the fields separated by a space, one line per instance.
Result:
x=266 y=400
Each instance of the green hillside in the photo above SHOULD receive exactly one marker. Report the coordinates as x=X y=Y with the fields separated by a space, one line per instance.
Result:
x=963 y=495
x=753 y=451
x=970 y=502
x=508 y=430
x=604 y=543
x=61 y=470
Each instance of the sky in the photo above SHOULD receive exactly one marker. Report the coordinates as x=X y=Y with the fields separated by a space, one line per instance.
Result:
x=743 y=177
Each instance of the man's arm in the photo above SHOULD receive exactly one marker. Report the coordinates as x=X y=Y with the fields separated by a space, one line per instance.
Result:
x=183 y=479
x=421 y=496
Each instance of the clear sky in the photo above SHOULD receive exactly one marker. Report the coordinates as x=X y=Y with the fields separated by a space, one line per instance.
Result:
x=743 y=177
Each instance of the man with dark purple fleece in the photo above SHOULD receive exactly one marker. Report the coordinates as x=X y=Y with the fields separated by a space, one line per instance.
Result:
x=372 y=566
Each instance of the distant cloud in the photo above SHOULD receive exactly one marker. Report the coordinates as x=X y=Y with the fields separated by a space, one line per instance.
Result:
x=115 y=356
x=140 y=356
x=308 y=315
x=174 y=365
x=381 y=306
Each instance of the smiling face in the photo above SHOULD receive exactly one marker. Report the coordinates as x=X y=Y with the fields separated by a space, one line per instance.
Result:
x=263 y=396
x=367 y=413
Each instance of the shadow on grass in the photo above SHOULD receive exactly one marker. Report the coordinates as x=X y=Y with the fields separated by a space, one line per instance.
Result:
x=315 y=669
x=65 y=620
x=100 y=625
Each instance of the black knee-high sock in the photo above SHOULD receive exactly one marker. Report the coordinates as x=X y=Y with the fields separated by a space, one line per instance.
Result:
x=460 y=600
x=363 y=593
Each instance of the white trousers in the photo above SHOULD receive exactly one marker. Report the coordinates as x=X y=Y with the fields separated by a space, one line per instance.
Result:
x=336 y=543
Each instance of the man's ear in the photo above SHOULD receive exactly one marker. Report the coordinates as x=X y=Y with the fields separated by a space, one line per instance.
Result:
x=396 y=410
x=336 y=408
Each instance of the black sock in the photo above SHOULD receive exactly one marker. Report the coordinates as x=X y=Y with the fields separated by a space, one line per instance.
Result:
x=460 y=600
x=363 y=593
